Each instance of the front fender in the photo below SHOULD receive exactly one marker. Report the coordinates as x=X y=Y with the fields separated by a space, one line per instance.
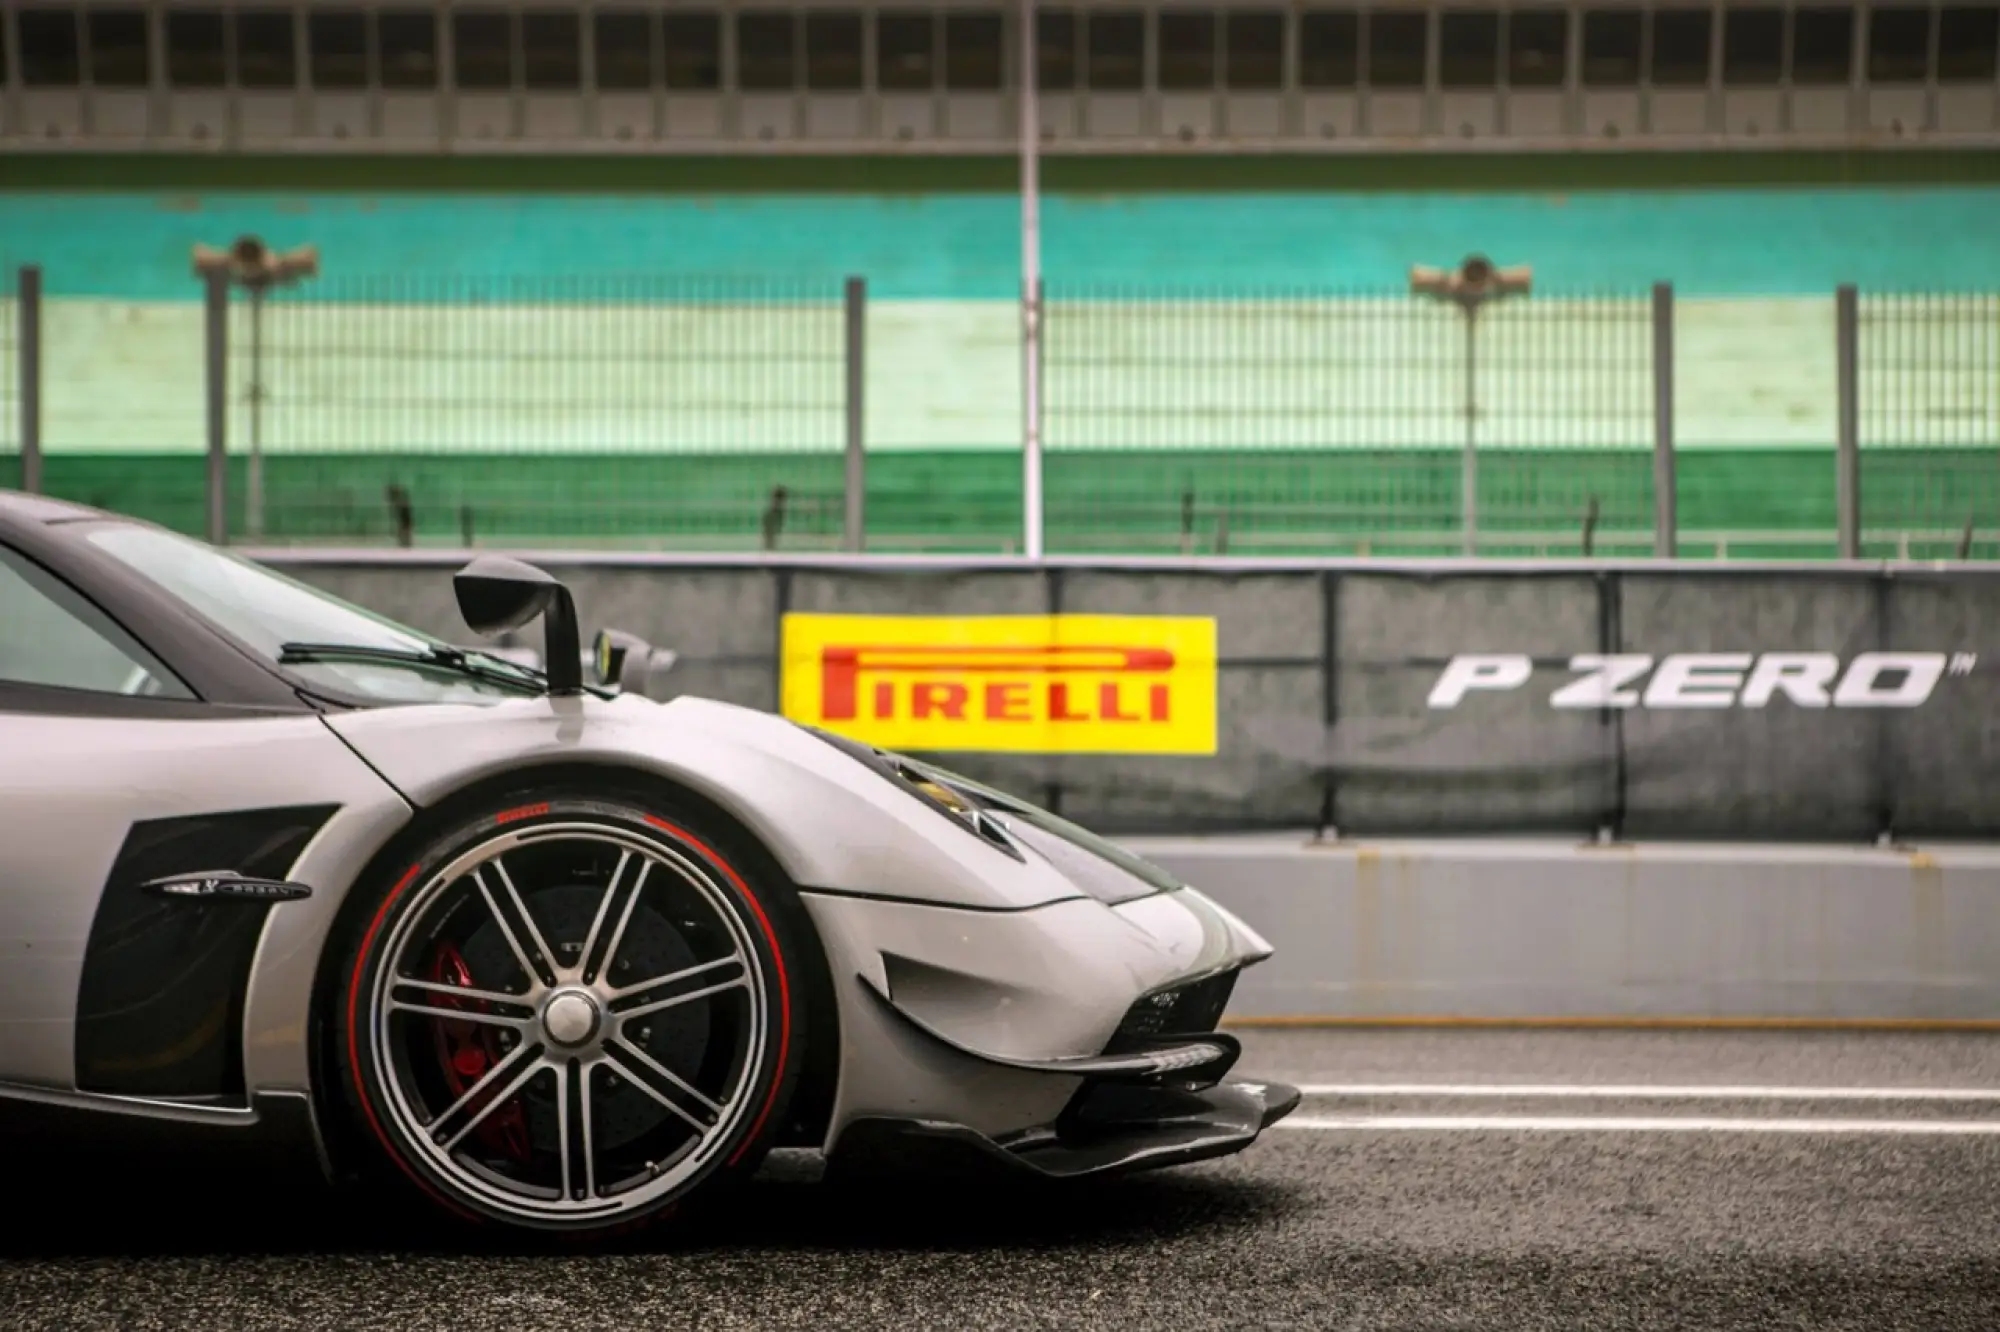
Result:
x=829 y=822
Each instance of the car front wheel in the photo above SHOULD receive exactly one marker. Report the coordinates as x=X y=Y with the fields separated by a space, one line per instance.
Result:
x=572 y=1015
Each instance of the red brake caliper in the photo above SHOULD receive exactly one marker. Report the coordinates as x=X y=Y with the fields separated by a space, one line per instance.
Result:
x=467 y=1050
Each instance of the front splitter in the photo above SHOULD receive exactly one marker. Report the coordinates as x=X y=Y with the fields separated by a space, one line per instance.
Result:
x=1130 y=1129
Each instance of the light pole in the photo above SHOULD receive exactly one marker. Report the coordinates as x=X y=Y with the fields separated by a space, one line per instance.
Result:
x=1469 y=287
x=1031 y=292
x=252 y=265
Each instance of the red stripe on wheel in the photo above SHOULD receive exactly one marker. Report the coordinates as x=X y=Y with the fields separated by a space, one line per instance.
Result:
x=524 y=812
x=777 y=955
x=354 y=1047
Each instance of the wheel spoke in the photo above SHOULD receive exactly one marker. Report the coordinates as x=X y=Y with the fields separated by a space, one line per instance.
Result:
x=542 y=975
x=663 y=1085
x=432 y=997
x=657 y=993
x=469 y=1015
x=603 y=910
x=578 y=1155
x=618 y=934
x=529 y=1055
x=543 y=953
x=589 y=1138
x=739 y=983
x=562 y=1072
x=589 y=970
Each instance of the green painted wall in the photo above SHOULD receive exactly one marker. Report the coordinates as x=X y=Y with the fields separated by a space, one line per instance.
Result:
x=1326 y=503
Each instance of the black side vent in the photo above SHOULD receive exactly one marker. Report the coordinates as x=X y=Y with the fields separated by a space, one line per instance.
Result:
x=1191 y=1009
x=160 y=1007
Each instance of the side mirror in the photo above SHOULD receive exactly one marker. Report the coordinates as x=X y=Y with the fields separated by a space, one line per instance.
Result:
x=625 y=661
x=497 y=593
x=608 y=652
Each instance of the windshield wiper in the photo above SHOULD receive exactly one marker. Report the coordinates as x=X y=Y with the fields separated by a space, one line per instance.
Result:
x=439 y=656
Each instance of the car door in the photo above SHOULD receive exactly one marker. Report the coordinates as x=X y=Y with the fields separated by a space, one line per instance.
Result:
x=114 y=775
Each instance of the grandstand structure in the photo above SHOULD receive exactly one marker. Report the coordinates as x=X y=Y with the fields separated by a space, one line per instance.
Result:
x=652 y=274
x=840 y=77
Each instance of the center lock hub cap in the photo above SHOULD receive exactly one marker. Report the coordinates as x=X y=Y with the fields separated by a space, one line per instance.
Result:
x=571 y=1018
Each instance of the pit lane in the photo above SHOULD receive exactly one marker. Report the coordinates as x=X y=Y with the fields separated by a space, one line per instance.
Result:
x=1419 y=1187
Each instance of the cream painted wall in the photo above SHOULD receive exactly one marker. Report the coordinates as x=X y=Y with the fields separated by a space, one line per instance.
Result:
x=125 y=376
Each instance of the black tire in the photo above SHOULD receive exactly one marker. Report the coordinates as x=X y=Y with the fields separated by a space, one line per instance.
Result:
x=400 y=1098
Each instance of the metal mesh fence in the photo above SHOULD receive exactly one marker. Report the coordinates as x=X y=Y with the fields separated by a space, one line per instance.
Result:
x=712 y=413
x=1322 y=422
x=639 y=411
x=1928 y=413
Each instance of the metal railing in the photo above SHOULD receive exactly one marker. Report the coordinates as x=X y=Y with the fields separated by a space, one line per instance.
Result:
x=1286 y=413
x=583 y=411
x=727 y=414
x=1922 y=370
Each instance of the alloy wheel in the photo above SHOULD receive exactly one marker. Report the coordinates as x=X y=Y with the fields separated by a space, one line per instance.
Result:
x=569 y=1023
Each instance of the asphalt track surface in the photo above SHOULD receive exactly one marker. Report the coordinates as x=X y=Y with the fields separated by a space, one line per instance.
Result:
x=1619 y=1206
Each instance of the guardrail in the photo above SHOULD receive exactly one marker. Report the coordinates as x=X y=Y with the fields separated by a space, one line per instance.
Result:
x=1964 y=543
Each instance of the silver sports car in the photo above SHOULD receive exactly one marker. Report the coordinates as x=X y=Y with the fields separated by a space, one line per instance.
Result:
x=544 y=951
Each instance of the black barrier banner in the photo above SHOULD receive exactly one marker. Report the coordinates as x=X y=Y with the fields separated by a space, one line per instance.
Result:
x=1841 y=703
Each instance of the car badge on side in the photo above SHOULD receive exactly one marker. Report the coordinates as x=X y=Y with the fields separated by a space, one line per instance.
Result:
x=226 y=885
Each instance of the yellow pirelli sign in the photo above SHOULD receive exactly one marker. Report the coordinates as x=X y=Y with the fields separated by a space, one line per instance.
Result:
x=1034 y=684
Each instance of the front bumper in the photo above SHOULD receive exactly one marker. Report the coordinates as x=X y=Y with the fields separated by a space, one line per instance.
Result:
x=1109 y=1128
x=1156 y=1096
x=997 y=1021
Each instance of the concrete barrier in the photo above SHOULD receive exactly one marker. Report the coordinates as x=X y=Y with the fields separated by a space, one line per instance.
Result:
x=1542 y=930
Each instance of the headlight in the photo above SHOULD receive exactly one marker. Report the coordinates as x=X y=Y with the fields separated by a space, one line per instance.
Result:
x=952 y=802
x=1104 y=880
x=940 y=796
x=1103 y=869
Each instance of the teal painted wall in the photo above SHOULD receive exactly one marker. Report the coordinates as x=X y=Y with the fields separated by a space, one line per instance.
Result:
x=964 y=247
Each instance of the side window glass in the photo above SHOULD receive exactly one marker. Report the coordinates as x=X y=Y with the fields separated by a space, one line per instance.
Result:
x=49 y=636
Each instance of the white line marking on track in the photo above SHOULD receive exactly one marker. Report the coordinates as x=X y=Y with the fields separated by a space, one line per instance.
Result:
x=1623 y=1124
x=1640 y=1091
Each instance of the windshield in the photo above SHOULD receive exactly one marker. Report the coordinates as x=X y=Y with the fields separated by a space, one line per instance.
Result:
x=266 y=610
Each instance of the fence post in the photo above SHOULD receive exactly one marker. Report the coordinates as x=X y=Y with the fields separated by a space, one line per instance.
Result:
x=216 y=327
x=1034 y=515
x=854 y=521
x=1847 y=443
x=28 y=367
x=1468 y=462
x=1666 y=518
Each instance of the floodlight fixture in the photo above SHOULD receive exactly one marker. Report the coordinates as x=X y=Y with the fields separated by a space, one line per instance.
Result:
x=254 y=266
x=251 y=264
x=1475 y=283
